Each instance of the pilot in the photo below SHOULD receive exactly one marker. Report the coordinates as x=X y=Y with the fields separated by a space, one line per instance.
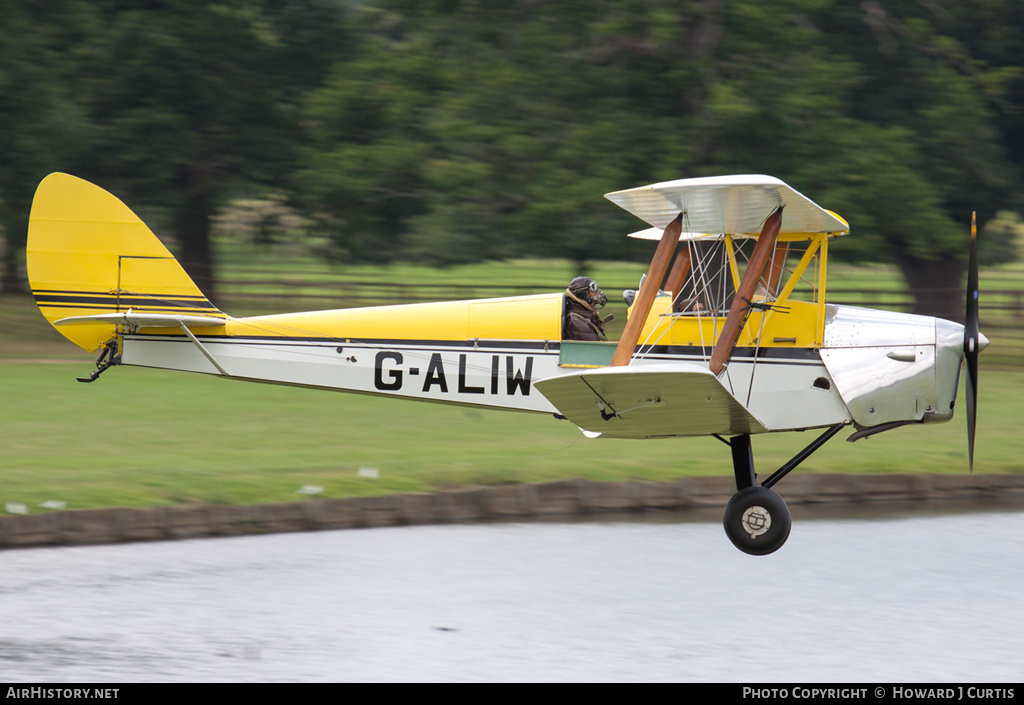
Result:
x=582 y=299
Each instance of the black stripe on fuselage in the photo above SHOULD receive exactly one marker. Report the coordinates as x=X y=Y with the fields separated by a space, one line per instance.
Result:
x=769 y=353
x=660 y=352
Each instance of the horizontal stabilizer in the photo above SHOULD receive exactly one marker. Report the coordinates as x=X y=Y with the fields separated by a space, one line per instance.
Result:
x=649 y=401
x=144 y=320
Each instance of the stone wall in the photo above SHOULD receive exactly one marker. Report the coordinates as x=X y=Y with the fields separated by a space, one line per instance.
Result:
x=560 y=499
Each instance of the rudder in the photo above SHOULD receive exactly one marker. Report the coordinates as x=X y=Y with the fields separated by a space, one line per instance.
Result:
x=89 y=254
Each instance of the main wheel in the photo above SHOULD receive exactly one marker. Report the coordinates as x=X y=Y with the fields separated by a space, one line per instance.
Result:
x=757 y=521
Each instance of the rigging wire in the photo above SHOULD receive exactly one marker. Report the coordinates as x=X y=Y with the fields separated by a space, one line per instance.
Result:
x=556 y=450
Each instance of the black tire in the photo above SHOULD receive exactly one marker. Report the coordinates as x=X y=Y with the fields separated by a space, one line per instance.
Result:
x=757 y=521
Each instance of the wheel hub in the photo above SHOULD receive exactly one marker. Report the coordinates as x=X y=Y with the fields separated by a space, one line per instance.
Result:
x=756 y=521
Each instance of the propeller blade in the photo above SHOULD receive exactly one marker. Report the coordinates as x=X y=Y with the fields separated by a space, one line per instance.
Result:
x=971 y=342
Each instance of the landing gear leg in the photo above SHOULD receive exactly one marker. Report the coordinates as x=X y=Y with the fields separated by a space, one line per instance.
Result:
x=743 y=461
x=756 y=519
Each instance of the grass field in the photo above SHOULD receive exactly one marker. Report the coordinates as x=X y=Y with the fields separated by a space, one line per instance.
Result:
x=145 y=437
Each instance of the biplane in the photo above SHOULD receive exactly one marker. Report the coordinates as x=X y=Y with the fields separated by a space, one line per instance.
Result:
x=728 y=335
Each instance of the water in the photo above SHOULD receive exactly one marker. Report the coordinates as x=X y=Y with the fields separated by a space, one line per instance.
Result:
x=910 y=599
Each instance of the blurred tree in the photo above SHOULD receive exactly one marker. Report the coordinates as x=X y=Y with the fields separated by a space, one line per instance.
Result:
x=43 y=127
x=464 y=130
x=936 y=111
x=191 y=102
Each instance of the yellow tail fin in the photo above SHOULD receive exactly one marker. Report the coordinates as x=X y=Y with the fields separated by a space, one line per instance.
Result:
x=89 y=254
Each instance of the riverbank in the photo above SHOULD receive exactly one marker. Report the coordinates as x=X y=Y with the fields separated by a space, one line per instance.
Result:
x=563 y=499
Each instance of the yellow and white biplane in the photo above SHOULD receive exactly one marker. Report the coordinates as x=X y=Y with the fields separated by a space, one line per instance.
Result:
x=728 y=335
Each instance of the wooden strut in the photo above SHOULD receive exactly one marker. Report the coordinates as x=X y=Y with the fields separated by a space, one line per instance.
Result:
x=645 y=297
x=677 y=275
x=740 y=308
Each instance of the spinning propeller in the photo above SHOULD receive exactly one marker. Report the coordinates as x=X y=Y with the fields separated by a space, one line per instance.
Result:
x=972 y=344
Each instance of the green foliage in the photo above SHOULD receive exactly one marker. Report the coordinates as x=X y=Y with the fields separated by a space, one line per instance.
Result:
x=1002 y=239
x=465 y=130
x=42 y=123
x=175 y=105
x=470 y=132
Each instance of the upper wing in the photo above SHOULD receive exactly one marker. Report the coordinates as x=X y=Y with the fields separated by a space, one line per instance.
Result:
x=735 y=205
x=649 y=401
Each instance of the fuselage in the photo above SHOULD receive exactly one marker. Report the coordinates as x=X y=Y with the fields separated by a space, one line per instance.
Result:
x=868 y=368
